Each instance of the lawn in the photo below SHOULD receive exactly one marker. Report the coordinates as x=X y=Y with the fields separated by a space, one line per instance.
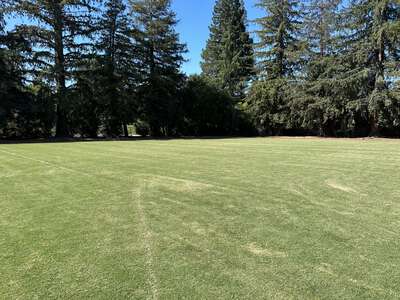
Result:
x=201 y=219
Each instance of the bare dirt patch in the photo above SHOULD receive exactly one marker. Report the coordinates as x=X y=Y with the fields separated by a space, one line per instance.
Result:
x=326 y=268
x=178 y=185
x=197 y=228
x=337 y=186
x=260 y=251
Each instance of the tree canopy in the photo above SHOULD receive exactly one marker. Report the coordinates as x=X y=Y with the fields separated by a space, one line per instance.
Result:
x=94 y=68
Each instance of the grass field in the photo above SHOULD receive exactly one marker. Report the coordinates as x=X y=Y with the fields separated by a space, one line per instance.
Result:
x=201 y=219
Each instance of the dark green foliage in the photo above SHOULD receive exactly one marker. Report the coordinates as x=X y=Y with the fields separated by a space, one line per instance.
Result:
x=326 y=67
x=86 y=96
x=207 y=109
x=341 y=83
x=267 y=102
x=370 y=53
x=9 y=77
x=43 y=116
x=279 y=57
x=23 y=111
x=320 y=105
x=26 y=112
x=228 y=57
x=278 y=49
x=161 y=55
x=118 y=71
x=58 y=34
x=321 y=25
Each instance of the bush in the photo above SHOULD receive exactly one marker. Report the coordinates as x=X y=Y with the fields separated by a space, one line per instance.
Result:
x=207 y=111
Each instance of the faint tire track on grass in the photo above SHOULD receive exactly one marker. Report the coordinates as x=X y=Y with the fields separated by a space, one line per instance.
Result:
x=45 y=163
x=147 y=242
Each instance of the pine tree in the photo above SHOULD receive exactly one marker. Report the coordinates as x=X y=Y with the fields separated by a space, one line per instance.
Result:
x=118 y=58
x=8 y=77
x=320 y=107
x=59 y=36
x=3 y=58
x=385 y=39
x=371 y=54
x=160 y=61
x=228 y=57
x=8 y=81
x=15 y=103
x=279 y=46
x=279 y=57
x=87 y=97
x=320 y=24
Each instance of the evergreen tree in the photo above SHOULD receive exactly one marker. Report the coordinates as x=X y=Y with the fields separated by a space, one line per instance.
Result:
x=87 y=97
x=228 y=57
x=8 y=80
x=321 y=26
x=118 y=59
x=278 y=47
x=4 y=62
x=59 y=36
x=319 y=106
x=279 y=57
x=328 y=66
x=386 y=45
x=15 y=103
x=160 y=61
x=371 y=55
x=207 y=109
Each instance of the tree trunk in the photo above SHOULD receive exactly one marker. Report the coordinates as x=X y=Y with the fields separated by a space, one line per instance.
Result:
x=61 y=124
x=380 y=86
x=126 y=132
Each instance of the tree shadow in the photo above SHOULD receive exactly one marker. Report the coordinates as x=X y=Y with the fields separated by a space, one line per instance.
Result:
x=120 y=139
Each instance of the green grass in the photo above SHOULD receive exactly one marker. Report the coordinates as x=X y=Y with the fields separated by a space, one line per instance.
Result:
x=201 y=219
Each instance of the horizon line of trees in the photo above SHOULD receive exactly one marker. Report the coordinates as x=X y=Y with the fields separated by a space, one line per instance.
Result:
x=92 y=67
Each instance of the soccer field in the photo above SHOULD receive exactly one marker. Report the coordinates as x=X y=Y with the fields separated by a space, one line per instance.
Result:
x=259 y=218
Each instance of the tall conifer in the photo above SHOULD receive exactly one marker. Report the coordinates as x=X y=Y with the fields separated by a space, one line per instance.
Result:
x=118 y=59
x=58 y=35
x=371 y=54
x=228 y=57
x=320 y=107
x=161 y=56
x=279 y=56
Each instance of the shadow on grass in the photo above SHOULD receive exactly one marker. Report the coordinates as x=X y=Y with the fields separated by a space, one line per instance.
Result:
x=120 y=139
x=149 y=138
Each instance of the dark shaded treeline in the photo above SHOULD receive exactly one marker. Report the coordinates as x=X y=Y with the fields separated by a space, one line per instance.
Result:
x=89 y=68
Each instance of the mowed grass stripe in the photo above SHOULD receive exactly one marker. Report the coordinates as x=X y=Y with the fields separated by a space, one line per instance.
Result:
x=231 y=218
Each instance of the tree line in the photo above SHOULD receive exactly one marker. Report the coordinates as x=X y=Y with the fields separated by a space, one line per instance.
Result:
x=88 y=68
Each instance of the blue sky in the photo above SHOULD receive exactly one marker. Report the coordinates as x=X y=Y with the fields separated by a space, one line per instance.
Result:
x=195 y=17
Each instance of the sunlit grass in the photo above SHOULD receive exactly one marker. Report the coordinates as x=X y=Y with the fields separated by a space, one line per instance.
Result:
x=201 y=219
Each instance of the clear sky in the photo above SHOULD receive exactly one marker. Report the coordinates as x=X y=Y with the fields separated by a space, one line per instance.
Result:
x=195 y=17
